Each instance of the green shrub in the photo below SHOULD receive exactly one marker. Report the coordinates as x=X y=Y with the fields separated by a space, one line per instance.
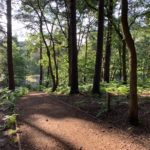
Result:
x=10 y=120
x=8 y=98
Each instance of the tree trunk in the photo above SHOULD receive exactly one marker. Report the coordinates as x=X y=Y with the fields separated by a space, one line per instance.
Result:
x=11 y=81
x=120 y=61
x=133 y=109
x=99 y=51
x=54 y=51
x=108 y=43
x=41 y=51
x=68 y=40
x=124 y=69
x=48 y=76
x=41 y=66
x=41 y=17
x=49 y=60
x=86 y=56
x=123 y=57
x=69 y=58
x=73 y=47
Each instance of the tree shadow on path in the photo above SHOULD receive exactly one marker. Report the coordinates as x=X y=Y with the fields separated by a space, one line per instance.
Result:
x=51 y=108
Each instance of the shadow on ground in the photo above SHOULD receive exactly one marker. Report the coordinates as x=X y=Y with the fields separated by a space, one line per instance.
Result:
x=54 y=107
x=61 y=142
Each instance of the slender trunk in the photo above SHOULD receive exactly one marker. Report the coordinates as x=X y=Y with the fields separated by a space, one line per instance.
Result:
x=69 y=58
x=85 y=62
x=41 y=66
x=81 y=37
x=48 y=71
x=99 y=51
x=123 y=57
x=107 y=61
x=41 y=51
x=124 y=69
x=48 y=75
x=113 y=74
x=41 y=17
x=11 y=81
x=49 y=61
x=133 y=109
x=73 y=47
x=55 y=63
x=108 y=44
x=54 y=52
x=120 y=62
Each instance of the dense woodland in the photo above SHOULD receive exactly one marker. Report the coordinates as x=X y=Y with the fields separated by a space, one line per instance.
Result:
x=77 y=46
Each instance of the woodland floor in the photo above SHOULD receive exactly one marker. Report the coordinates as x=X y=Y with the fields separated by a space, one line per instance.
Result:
x=53 y=123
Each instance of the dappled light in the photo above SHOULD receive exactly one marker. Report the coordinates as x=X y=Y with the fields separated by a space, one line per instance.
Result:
x=46 y=121
x=74 y=75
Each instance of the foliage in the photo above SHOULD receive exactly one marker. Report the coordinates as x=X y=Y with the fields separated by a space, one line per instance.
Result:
x=10 y=121
x=8 y=98
x=115 y=88
x=27 y=57
x=48 y=23
x=19 y=61
x=8 y=101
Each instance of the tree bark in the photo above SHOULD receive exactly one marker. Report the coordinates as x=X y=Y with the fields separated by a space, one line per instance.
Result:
x=124 y=53
x=73 y=47
x=68 y=40
x=41 y=51
x=108 y=43
x=11 y=81
x=124 y=69
x=99 y=51
x=133 y=109
x=86 y=56
x=54 y=50
x=49 y=60
x=120 y=61
x=69 y=57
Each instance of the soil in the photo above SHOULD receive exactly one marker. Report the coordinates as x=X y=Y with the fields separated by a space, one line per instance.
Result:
x=64 y=123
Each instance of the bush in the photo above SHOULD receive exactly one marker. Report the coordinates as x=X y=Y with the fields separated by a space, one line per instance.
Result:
x=8 y=98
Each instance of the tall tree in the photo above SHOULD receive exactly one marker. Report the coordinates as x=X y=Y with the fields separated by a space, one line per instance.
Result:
x=108 y=42
x=133 y=109
x=9 y=47
x=124 y=68
x=122 y=54
x=41 y=52
x=38 y=8
x=99 y=51
x=73 y=48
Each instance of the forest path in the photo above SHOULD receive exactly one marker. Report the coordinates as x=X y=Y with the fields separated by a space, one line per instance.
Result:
x=47 y=123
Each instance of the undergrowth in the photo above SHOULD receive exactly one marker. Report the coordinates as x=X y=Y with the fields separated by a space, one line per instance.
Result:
x=8 y=101
x=115 y=88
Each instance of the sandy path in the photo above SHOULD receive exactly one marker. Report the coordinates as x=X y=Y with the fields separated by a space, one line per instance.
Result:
x=48 y=124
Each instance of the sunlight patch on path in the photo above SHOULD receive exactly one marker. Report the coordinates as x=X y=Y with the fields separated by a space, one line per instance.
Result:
x=47 y=124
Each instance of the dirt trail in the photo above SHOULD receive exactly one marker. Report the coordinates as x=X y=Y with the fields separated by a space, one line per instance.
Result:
x=48 y=124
